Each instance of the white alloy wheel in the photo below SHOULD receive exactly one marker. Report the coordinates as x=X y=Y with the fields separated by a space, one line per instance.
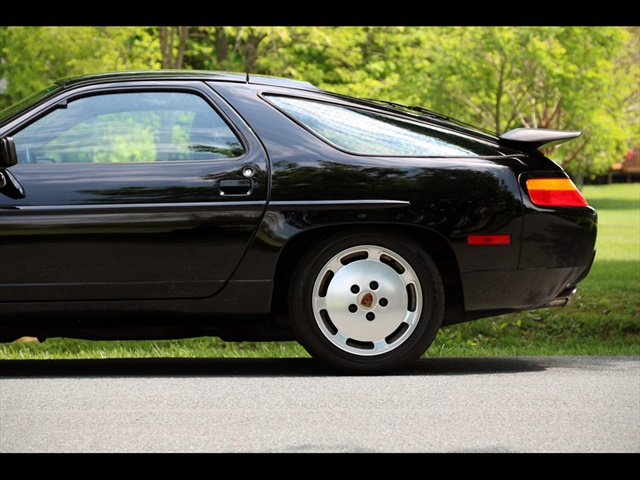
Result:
x=367 y=300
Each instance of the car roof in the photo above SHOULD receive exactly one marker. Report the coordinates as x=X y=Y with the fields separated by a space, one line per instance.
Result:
x=201 y=75
x=515 y=138
x=239 y=78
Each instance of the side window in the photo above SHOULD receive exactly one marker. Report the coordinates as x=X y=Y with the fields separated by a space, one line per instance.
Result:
x=368 y=133
x=128 y=127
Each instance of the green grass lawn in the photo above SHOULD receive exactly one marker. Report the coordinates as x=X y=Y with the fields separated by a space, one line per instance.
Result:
x=603 y=319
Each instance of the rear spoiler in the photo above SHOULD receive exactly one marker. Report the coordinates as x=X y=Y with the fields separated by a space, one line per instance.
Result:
x=539 y=137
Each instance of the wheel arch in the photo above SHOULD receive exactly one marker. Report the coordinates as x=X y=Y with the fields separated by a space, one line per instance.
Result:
x=434 y=244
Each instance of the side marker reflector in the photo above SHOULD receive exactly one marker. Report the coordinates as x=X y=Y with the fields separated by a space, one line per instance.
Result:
x=501 y=239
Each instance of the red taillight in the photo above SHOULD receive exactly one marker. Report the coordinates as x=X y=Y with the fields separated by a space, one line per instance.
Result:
x=555 y=192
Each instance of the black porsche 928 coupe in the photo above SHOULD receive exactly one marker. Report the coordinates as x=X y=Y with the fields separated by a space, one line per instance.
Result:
x=175 y=204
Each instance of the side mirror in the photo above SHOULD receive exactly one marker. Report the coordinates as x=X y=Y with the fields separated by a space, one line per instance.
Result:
x=8 y=155
x=9 y=184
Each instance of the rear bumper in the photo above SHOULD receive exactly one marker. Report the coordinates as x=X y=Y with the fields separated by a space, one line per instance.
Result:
x=517 y=290
x=565 y=297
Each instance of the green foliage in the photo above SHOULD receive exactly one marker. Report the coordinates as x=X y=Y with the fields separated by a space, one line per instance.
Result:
x=31 y=58
x=575 y=78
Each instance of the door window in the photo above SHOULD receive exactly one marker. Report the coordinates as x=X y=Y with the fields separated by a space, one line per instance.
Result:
x=128 y=127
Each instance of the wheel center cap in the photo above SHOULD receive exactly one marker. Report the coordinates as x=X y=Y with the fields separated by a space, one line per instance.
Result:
x=367 y=300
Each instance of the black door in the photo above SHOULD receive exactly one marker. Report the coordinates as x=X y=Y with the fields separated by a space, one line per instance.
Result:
x=129 y=195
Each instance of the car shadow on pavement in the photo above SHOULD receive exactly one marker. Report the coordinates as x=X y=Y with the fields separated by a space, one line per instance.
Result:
x=249 y=367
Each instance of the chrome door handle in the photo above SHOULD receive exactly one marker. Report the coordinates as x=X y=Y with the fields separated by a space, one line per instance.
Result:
x=235 y=187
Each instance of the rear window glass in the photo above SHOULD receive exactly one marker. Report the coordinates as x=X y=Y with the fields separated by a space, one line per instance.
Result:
x=369 y=133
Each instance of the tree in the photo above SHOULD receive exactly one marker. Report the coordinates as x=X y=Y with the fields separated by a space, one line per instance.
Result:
x=31 y=58
x=574 y=78
x=173 y=41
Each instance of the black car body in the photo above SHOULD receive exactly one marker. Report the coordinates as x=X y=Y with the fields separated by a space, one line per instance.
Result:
x=172 y=204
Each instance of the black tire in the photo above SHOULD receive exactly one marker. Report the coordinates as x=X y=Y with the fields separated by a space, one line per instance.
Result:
x=366 y=302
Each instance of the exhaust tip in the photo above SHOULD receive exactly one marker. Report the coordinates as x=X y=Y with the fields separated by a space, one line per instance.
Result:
x=564 y=298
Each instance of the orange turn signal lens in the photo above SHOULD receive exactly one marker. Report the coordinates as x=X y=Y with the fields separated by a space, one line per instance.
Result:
x=555 y=192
